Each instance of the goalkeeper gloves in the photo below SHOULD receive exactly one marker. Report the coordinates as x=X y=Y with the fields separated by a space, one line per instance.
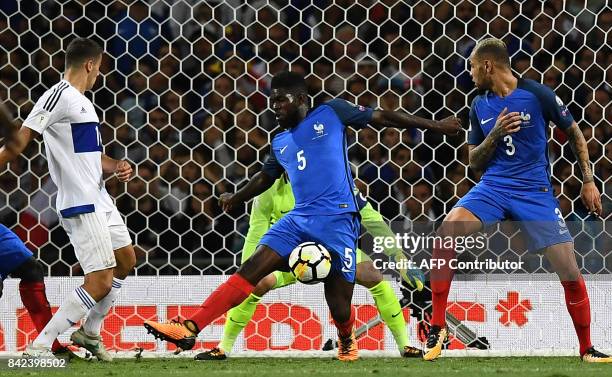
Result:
x=414 y=277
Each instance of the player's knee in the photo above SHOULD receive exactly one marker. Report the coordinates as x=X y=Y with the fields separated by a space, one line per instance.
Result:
x=569 y=272
x=459 y=222
x=367 y=275
x=98 y=284
x=126 y=260
x=30 y=271
x=265 y=285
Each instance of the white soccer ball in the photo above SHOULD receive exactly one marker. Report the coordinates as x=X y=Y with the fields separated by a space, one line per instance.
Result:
x=310 y=263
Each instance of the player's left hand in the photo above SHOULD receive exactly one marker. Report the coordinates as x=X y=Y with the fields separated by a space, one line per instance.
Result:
x=450 y=125
x=124 y=171
x=591 y=198
x=414 y=277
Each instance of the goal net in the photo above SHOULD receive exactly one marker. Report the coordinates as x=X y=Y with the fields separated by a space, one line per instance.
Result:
x=183 y=96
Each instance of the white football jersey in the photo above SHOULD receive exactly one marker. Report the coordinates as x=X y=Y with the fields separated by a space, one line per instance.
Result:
x=73 y=145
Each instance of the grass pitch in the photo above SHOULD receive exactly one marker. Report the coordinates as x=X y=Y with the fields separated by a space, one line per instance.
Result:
x=287 y=367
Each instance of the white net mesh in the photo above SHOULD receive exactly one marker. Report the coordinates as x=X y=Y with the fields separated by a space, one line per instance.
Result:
x=184 y=98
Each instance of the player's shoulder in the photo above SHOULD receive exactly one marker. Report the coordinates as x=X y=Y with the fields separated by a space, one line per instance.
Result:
x=278 y=134
x=57 y=96
x=479 y=97
x=340 y=104
x=536 y=88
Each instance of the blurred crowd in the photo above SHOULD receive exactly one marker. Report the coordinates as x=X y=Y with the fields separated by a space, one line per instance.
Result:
x=183 y=96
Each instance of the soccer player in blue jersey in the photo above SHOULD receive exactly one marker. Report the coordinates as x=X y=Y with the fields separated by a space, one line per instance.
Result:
x=18 y=261
x=312 y=150
x=508 y=140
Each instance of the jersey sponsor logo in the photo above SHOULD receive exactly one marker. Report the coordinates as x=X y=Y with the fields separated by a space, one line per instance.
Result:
x=86 y=137
x=283 y=149
x=83 y=111
x=485 y=121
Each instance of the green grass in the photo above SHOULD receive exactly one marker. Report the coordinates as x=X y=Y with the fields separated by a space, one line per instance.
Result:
x=271 y=367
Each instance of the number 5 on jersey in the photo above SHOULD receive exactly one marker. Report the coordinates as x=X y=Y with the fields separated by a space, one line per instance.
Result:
x=301 y=160
x=347 y=263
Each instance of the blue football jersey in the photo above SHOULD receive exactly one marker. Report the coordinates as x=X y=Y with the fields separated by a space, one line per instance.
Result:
x=521 y=159
x=314 y=155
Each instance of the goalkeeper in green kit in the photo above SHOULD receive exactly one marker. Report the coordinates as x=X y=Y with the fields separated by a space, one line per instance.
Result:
x=267 y=209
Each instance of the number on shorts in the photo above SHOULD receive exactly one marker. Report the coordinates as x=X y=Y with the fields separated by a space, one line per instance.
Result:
x=348 y=260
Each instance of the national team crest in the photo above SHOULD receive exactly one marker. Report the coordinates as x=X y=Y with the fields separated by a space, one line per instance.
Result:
x=319 y=129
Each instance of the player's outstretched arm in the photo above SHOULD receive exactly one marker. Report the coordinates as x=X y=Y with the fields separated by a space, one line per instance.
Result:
x=589 y=194
x=506 y=124
x=401 y=120
x=257 y=185
x=121 y=168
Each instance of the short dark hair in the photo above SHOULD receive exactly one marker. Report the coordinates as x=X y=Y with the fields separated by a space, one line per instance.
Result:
x=290 y=81
x=493 y=48
x=81 y=49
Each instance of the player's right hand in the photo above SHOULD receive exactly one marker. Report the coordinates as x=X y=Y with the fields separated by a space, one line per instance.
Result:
x=226 y=202
x=450 y=125
x=591 y=198
x=507 y=123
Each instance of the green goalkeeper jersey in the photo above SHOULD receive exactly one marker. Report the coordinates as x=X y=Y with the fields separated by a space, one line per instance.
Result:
x=278 y=200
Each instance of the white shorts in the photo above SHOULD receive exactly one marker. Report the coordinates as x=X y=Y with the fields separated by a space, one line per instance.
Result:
x=95 y=236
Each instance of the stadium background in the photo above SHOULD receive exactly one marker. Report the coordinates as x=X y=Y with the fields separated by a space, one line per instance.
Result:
x=183 y=96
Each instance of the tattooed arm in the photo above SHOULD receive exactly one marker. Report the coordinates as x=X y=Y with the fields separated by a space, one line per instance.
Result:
x=507 y=123
x=590 y=194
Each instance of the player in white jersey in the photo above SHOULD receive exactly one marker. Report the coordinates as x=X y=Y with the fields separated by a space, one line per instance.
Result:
x=71 y=133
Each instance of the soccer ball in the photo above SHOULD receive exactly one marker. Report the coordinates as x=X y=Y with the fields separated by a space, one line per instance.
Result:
x=310 y=263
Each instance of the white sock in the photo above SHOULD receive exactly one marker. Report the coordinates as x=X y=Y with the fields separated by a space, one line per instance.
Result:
x=96 y=315
x=71 y=311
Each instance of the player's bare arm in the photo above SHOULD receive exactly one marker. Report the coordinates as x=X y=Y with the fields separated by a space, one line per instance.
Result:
x=506 y=124
x=257 y=185
x=16 y=145
x=401 y=120
x=7 y=126
x=121 y=168
x=589 y=194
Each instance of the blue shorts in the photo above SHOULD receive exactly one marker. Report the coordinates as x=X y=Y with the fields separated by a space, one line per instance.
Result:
x=537 y=211
x=338 y=233
x=13 y=253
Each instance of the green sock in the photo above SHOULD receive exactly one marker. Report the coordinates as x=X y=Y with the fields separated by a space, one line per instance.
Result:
x=389 y=307
x=236 y=320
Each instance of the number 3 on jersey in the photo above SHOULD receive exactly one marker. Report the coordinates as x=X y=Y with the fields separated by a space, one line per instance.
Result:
x=301 y=160
x=511 y=148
